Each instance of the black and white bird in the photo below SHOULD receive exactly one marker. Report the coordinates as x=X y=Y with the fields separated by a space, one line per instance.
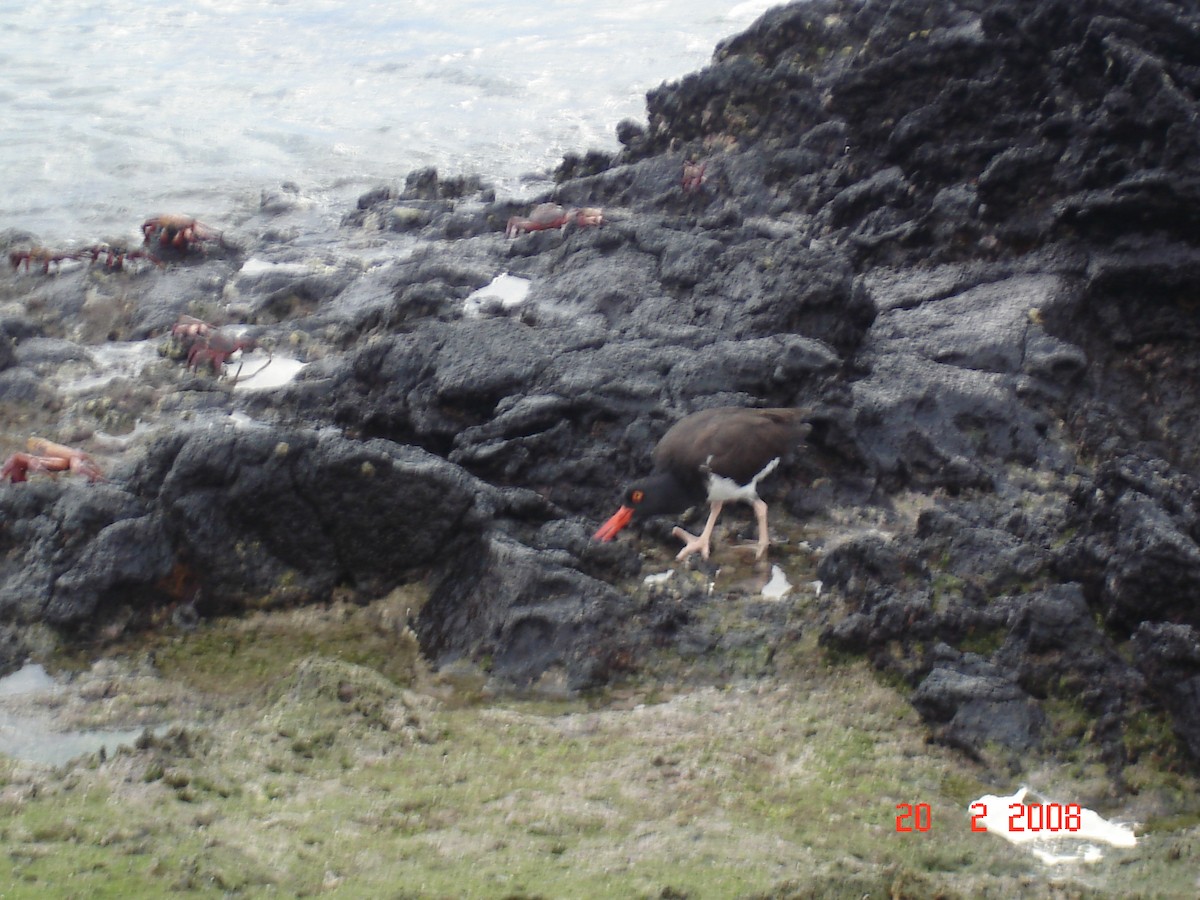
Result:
x=718 y=455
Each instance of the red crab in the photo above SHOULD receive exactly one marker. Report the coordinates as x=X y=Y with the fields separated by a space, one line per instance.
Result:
x=189 y=330
x=51 y=458
x=208 y=345
x=693 y=176
x=550 y=215
x=178 y=232
x=115 y=257
x=40 y=256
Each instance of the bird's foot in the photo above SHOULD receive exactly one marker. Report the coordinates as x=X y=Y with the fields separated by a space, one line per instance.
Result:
x=753 y=548
x=692 y=543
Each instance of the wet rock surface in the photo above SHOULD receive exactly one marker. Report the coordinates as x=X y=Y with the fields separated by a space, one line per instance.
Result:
x=964 y=235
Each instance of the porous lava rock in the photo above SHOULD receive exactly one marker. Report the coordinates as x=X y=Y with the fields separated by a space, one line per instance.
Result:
x=962 y=232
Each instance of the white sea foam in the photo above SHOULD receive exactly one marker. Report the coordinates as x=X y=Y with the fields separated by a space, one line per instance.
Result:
x=120 y=110
x=508 y=291
x=778 y=586
x=256 y=267
x=261 y=373
x=118 y=359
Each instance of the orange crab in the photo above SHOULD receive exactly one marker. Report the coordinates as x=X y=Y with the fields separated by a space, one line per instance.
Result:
x=177 y=231
x=51 y=458
x=693 y=176
x=550 y=215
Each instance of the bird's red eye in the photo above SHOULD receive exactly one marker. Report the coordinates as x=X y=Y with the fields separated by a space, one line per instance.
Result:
x=636 y=496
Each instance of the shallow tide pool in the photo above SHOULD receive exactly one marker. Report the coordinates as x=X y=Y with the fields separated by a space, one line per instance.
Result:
x=34 y=737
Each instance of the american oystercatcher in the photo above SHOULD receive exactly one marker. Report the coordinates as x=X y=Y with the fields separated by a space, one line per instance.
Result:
x=717 y=455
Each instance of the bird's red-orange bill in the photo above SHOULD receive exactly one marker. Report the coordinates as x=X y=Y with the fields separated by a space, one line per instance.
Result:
x=609 y=529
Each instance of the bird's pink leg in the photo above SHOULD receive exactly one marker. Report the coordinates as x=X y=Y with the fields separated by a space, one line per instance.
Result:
x=764 y=536
x=694 y=543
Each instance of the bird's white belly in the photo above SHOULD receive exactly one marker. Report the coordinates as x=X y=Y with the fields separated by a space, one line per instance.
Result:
x=726 y=490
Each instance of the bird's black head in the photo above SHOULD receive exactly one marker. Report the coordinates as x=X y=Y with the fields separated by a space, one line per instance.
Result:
x=658 y=495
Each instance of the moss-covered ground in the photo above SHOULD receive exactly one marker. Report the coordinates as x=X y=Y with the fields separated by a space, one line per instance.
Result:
x=311 y=752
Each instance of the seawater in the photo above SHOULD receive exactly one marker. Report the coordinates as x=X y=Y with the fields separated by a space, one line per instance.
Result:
x=35 y=736
x=118 y=110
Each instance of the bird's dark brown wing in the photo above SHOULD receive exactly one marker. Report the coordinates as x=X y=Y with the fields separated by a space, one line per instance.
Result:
x=732 y=441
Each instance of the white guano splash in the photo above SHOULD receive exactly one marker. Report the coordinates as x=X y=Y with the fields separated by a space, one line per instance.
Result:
x=1059 y=833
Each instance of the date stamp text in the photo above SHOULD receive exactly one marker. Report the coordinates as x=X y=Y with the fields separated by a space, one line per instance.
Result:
x=1041 y=818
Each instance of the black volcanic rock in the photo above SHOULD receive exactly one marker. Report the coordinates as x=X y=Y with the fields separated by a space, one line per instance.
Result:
x=964 y=233
x=1134 y=546
x=973 y=704
x=531 y=611
x=8 y=355
x=64 y=545
x=1169 y=656
x=262 y=508
x=221 y=520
